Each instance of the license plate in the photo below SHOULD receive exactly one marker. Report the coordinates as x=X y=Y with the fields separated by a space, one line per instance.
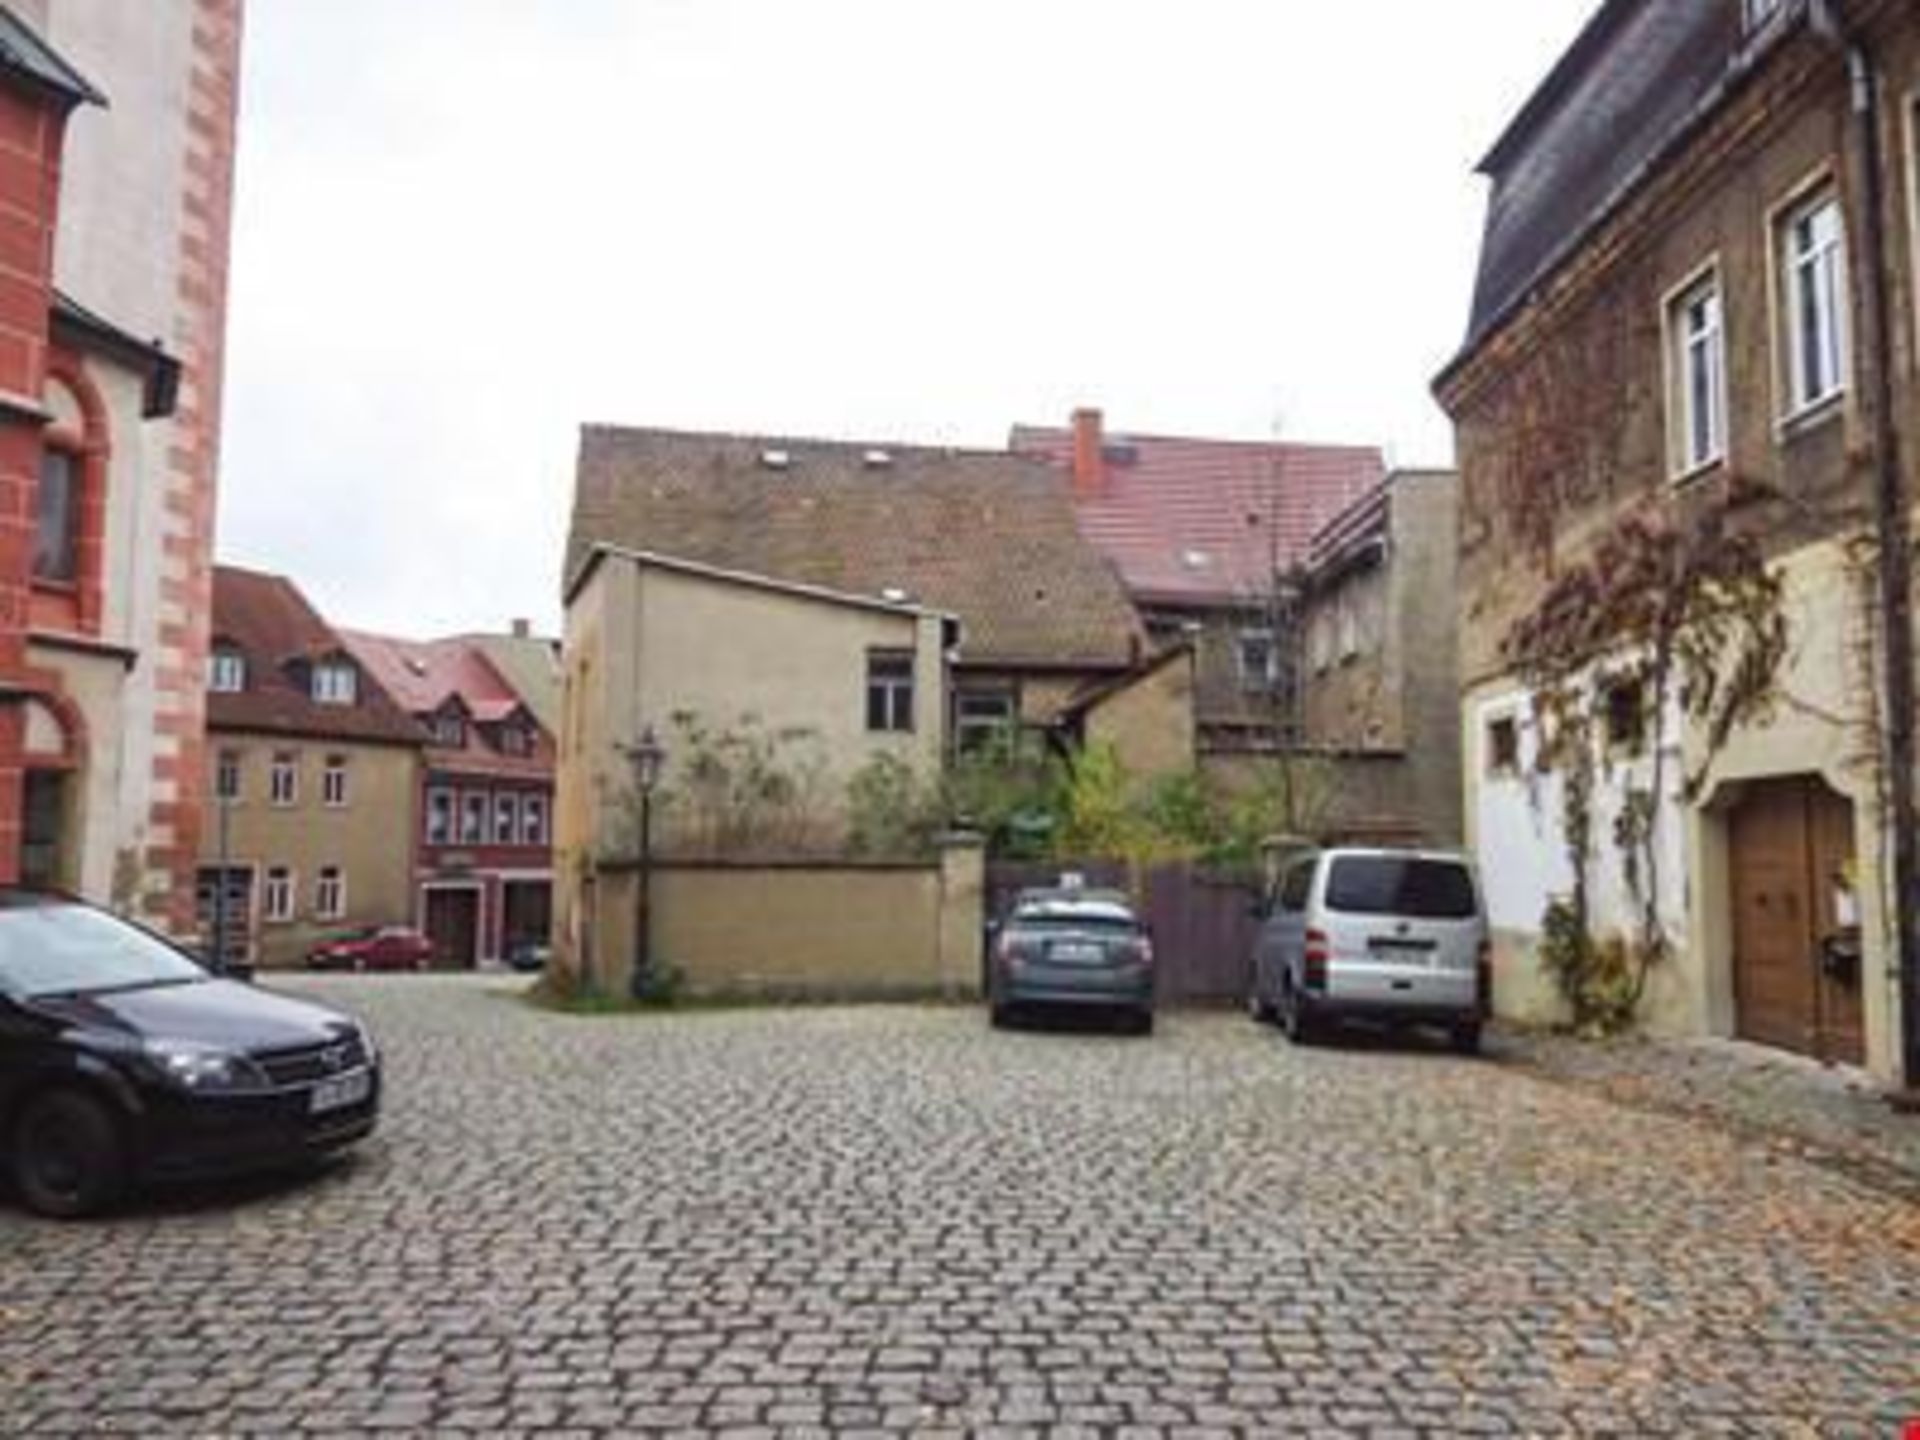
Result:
x=1072 y=952
x=341 y=1091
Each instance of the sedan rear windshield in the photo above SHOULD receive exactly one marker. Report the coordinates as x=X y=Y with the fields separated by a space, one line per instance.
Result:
x=1079 y=917
x=1401 y=885
x=60 y=949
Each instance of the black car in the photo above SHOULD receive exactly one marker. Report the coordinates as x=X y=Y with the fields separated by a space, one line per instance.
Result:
x=123 y=1060
x=1072 y=947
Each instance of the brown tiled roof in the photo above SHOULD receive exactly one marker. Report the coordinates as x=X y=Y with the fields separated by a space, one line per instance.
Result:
x=269 y=621
x=986 y=535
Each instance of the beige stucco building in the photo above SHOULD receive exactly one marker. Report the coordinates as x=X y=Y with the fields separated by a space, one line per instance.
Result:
x=313 y=785
x=654 y=642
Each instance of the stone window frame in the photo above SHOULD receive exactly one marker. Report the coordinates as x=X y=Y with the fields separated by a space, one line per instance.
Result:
x=1816 y=189
x=334 y=783
x=230 y=761
x=1501 y=761
x=1682 y=463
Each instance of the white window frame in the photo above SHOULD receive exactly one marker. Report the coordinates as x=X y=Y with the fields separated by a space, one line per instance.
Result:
x=443 y=835
x=506 y=807
x=279 y=894
x=1815 y=271
x=1696 y=329
x=476 y=806
x=333 y=783
x=533 y=820
x=226 y=671
x=330 y=893
x=336 y=682
x=283 y=780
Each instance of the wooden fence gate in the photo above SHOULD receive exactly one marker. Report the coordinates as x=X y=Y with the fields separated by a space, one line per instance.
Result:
x=1202 y=921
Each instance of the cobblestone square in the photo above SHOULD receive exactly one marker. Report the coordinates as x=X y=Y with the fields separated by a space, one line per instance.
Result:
x=890 y=1220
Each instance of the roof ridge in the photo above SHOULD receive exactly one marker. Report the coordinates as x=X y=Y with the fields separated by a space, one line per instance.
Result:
x=776 y=438
x=1157 y=437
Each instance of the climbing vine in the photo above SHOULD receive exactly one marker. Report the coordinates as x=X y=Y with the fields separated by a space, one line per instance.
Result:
x=1668 y=625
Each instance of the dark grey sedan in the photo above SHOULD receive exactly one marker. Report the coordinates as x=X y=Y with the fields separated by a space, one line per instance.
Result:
x=1072 y=948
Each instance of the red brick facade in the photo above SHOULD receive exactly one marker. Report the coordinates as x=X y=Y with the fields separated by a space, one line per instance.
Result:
x=206 y=204
x=32 y=131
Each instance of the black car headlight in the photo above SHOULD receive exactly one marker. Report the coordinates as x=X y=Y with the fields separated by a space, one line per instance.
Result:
x=204 y=1069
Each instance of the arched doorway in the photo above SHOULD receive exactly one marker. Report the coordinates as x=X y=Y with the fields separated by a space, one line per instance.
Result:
x=1796 y=921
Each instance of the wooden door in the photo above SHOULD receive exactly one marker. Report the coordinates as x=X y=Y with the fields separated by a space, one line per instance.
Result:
x=453 y=924
x=1790 y=854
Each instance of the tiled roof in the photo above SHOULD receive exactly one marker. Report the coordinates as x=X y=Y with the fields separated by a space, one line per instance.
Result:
x=268 y=620
x=986 y=535
x=1199 y=521
x=423 y=675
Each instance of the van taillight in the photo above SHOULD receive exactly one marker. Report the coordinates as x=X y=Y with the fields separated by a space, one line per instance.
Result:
x=1315 y=977
x=1483 y=977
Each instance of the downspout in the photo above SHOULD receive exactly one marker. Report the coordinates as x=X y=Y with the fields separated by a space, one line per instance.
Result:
x=1894 y=533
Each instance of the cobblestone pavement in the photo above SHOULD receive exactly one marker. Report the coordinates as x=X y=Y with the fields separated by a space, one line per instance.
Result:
x=897 y=1220
x=1830 y=1113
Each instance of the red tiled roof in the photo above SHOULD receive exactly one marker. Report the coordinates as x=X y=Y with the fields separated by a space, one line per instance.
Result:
x=424 y=674
x=1188 y=520
x=268 y=620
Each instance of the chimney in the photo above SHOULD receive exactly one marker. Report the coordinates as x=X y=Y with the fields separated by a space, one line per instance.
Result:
x=522 y=629
x=1089 y=458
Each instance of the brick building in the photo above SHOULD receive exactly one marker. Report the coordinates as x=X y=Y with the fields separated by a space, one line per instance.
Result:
x=483 y=838
x=117 y=128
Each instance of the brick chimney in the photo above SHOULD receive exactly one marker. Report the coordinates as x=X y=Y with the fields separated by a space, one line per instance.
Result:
x=1089 y=455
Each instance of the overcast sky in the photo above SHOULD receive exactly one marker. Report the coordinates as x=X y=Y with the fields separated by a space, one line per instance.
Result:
x=467 y=226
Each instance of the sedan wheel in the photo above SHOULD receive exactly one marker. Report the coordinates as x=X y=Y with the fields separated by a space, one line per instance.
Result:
x=1299 y=1026
x=67 y=1155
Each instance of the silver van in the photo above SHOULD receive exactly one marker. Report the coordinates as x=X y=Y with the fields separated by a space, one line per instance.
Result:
x=1397 y=936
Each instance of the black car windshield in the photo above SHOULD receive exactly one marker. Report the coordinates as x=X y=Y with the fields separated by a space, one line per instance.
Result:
x=54 y=948
x=1419 y=889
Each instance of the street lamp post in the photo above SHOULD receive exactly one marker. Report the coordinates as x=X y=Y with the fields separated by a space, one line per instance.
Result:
x=647 y=759
x=224 y=802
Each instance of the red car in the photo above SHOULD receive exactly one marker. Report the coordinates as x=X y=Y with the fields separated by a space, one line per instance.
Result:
x=386 y=947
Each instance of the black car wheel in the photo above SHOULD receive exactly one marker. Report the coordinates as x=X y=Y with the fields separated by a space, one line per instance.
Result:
x=1299 y=1025
x=1143 y=1023
x=68 y=1159
x=1466 y=1038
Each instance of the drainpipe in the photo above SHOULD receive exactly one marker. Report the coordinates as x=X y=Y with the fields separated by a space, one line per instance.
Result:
x=1894 y=532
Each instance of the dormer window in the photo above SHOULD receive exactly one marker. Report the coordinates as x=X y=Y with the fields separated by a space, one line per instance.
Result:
x=514 y=740
x=227 y=671
x=335 y=682
x=450 y=730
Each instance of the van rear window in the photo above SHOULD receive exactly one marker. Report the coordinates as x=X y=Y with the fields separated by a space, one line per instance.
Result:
x=1397 y=885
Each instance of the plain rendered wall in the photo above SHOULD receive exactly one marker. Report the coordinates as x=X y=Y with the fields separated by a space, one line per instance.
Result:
x=826 y=931
x=1515 y=833
x=1150 y=723
x=370 y=838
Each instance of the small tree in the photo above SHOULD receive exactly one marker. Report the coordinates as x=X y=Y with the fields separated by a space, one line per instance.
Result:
x=1686 y=619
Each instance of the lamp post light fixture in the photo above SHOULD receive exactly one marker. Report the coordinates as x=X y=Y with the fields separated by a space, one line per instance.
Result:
x=648 y=758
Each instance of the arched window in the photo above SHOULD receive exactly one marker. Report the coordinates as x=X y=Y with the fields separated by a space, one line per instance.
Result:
x=69 y=534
